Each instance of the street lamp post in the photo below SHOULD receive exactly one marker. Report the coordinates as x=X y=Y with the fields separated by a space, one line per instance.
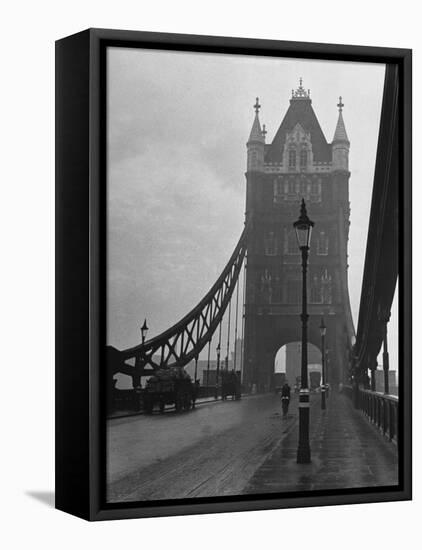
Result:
x=139 y=365
x=303 y=227
x=196 y=369
x=217 y=374
x=385 y=356
x=144 y=330
x=326 y=373
x=208 y=369
x=323 y=330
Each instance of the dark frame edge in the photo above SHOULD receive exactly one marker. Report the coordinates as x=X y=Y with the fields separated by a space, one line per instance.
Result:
x=97 y=274
x=72 y=418
x=405 y=273
x=254 y=505
x=251 y=46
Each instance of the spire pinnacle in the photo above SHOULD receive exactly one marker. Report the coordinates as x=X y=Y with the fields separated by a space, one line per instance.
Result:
x=257 y=134
x=340 y=134
x=300 y=92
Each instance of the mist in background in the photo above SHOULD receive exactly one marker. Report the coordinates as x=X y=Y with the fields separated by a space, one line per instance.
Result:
x=178 y=124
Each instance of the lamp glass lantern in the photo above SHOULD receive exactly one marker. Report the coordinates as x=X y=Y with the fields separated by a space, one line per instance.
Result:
x=144 y=330
x=303 y=227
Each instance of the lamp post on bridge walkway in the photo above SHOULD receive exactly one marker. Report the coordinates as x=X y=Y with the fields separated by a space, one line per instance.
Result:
x=217 y=373
x=323 y=330
x=384 y=317
x=139 y=365
x=196 y=369
x=144 y=330
x=303 y=227
x=327 y=370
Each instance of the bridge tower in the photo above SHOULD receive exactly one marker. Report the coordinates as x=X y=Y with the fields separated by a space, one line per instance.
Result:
x=298 y=163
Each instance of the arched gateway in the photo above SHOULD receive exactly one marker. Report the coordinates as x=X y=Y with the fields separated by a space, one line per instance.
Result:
x=298 y=163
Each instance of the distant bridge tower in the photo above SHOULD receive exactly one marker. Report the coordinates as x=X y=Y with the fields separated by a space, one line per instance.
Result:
x=298 y=163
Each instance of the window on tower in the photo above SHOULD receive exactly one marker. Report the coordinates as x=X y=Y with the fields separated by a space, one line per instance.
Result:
x=294 y=291
x=266 y=286
x=316 y=290
x=303 y=158
x=326 y=288
x=276 y=295
x=292 y=158
x=292 y=187
x=270 y=244
x=315 y=194
x=322 y=244
x=291 y=246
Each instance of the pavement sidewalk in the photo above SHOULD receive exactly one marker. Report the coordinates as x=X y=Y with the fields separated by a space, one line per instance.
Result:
x=347 y=452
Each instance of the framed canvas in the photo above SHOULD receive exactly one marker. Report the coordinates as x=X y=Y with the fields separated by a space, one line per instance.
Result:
x=233 y=279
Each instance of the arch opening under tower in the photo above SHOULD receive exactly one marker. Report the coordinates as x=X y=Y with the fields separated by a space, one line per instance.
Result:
x=287 y=366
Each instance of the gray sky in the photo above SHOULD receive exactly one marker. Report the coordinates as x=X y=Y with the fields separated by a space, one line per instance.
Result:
x=177 y=130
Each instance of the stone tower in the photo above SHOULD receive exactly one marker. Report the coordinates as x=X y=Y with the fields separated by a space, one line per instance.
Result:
x=298 y=163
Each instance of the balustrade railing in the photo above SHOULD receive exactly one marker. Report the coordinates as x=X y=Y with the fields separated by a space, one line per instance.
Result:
x=381 y=410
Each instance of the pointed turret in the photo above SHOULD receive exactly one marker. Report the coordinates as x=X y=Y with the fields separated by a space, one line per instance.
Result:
x=256 y=143
x=340 y=134
x=341 y=143
x=256 y=131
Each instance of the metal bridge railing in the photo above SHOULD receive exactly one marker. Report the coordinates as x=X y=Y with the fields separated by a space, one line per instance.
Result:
x=381 y=409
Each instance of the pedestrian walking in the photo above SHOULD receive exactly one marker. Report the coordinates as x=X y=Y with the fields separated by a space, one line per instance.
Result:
x=285 y=398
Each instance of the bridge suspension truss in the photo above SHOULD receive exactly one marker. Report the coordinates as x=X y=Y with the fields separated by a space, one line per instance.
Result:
x=184 y=341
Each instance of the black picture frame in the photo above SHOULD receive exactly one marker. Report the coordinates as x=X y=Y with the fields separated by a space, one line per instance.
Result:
x=80 y=270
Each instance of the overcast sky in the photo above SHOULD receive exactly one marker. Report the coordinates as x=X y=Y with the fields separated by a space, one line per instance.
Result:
x=177 y=130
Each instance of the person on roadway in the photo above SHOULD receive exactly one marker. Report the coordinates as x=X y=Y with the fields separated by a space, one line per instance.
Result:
x=285 y=398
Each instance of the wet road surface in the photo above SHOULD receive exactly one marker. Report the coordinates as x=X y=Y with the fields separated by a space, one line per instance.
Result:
x=244 y=447
x=213 y=450
x=347 y=452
